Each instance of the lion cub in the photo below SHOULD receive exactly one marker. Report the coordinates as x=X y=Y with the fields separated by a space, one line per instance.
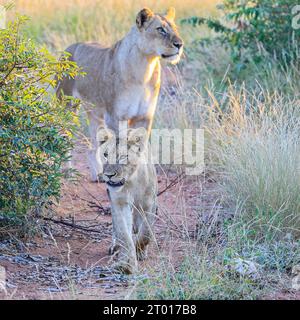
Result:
x=132 y=188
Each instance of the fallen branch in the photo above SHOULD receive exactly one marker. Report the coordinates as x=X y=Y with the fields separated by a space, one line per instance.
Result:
x=106 y=210
x=96 y=204
x=71 y=225
x=93 y=204
x=172 y=184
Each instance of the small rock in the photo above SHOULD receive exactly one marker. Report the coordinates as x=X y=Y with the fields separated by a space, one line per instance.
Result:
x=245 y=267
x=110 y=291
x=53 y=290
x=296 y=278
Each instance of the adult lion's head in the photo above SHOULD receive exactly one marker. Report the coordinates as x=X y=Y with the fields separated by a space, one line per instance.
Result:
x=159 y=35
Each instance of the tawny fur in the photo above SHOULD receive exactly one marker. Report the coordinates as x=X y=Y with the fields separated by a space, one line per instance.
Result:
x=122 y=82
x=134 y=202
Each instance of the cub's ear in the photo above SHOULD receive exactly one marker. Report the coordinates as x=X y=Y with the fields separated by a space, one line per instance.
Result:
x=171 y=13
x=103 y=135
x=137 y=138
x=143 y=16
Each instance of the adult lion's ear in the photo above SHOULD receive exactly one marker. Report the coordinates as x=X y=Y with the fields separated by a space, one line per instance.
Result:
x=143 y=16
x=171 y=13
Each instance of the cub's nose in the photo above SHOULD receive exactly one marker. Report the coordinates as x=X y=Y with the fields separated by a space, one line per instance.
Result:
x=178 y=44
x=110 y=175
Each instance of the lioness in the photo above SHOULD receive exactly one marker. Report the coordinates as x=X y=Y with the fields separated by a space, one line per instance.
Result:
x=123 y=82
x=132 y=189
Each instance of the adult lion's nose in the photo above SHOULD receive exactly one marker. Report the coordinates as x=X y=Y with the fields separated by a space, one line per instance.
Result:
x=178 y=44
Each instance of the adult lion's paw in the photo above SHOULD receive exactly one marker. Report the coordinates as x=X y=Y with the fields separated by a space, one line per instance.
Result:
x=141 y=254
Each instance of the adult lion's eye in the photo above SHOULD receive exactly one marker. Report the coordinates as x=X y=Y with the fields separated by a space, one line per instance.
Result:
x=161 y=31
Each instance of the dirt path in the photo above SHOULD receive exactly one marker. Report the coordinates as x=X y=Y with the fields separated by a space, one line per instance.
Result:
x=65 y=262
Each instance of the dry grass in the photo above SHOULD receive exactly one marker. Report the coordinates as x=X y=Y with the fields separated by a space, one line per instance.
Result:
x=256 y=150
x=51 y=7
x=59 y=23
x=252 y=145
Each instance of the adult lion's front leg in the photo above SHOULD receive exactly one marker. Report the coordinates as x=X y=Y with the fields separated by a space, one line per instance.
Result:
x=95 y=123
x=141 y=122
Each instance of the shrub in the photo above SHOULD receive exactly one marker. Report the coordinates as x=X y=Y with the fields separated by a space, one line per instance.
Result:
x=35 y=128
x=254 y=29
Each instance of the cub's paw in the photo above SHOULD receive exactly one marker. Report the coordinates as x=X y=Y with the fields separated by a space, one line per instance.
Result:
x=141 y=254
x=125 y=267
x=113 y=249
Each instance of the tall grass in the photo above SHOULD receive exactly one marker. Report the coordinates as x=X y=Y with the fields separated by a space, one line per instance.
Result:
x=252 y=143
x=252 y=147
x=256 y=148
x=262 y=175
x=60 y=23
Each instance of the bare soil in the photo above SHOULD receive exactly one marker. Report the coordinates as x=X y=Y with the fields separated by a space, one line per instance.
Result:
x=68 y=258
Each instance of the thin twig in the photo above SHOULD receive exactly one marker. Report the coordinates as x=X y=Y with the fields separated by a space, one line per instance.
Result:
x=172 y=183
x=93 y=204
x=71 y=225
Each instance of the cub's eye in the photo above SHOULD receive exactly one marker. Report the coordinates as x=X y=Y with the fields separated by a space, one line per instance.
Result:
x=161 y=30
x=122 y=158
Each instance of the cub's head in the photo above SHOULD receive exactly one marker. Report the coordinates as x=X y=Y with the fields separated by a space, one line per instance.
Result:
x=122 y=155
x=158 y=35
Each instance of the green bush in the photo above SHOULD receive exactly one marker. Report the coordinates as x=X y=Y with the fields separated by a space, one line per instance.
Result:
x=253 y=30
x=35 y=128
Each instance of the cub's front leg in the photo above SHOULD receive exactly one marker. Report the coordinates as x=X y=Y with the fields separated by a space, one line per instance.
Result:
x=143 y=226
x=122 y=228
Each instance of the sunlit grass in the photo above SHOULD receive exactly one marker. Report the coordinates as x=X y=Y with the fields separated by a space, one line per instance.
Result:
x=59 y=23
x=257 y=149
